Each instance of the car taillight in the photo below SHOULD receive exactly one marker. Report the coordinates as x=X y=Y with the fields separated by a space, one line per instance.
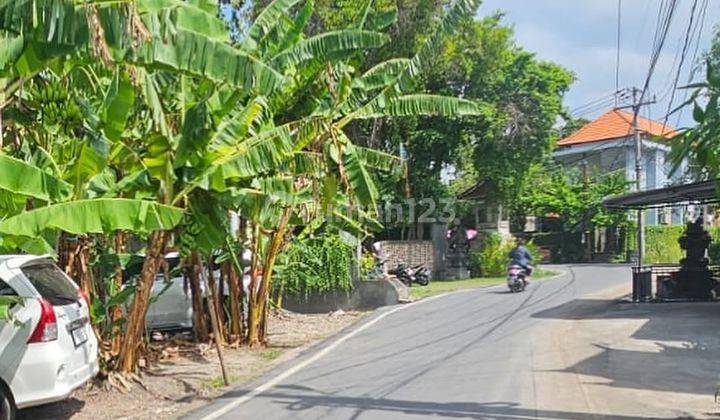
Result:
x=46 y=329
x=84 y=295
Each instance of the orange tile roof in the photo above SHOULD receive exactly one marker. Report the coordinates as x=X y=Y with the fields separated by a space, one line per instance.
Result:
x=615 y=124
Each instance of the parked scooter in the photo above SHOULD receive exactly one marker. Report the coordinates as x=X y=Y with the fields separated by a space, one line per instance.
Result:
x=421 y=274
x=409 y=275
x=516 y=278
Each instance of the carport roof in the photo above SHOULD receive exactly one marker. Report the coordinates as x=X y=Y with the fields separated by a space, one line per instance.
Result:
x=696 y=193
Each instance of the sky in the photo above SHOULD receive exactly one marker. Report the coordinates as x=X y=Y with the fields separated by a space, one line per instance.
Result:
x=581 y=35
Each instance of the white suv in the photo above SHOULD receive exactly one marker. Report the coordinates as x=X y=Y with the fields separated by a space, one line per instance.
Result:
x=48 y=348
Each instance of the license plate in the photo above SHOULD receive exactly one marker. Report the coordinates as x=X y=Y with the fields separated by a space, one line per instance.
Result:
x=79 y=336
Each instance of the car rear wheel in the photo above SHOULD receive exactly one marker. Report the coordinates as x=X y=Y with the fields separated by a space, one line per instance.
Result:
x=7 y=407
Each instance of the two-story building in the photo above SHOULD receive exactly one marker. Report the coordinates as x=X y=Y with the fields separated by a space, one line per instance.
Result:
x=607 y=145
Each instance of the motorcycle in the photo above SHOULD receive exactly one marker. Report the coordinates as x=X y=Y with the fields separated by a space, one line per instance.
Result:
x=409 y=275
x=421 y=275
x=516 y=278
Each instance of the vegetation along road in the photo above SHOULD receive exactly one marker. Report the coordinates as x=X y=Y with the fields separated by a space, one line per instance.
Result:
x=466 y=354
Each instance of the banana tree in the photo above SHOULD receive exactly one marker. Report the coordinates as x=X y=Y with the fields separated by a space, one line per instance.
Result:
x=219 y=115
x=321 y=97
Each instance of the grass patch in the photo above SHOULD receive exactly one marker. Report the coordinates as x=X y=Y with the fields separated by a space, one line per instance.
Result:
x=443 y=286
x=216 y=382
x=271 y=354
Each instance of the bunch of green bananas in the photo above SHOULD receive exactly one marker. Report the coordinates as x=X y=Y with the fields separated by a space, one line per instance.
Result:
x=49 y=92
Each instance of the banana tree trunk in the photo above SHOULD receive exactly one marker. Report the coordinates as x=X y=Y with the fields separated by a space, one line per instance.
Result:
x=135 y=325
x=253 y=307
x=116 y=311
x=235 y=302
x=216 y=327
x=82 y=266
x=260 y=312
x=66 y=253
x=200 y=325
x=74 y=259
x=216 y=307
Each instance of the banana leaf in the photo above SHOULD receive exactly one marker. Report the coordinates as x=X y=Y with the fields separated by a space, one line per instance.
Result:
x=420 y=104
x=22 y=178
x=102 y=215
x=325 y=45
x=266 y=21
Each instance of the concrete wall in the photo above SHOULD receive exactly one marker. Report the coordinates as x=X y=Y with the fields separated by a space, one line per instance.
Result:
x=364 y=295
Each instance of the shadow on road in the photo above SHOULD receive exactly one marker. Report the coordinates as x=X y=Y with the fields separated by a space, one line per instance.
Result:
x=675 y=349
x=297 y=400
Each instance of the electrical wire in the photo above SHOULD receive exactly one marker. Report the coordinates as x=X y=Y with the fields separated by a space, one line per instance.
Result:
x=608 y=103
x=695 y=67
x=659 y=41
x=617 y=52
x=593 y=103
x=686 y=44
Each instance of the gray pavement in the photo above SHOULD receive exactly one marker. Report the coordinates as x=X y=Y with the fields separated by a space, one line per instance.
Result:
x=465 y=355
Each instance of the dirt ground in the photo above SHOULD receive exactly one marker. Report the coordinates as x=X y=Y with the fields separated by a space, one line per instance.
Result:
x=188 y=375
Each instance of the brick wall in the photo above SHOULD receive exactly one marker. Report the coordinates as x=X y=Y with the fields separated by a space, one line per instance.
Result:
x=409 y=252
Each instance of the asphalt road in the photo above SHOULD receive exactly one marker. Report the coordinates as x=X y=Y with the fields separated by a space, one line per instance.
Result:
x=464 y=355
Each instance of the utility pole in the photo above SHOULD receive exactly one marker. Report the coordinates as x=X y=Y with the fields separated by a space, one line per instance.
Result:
x=637 y=98
x=586 y=231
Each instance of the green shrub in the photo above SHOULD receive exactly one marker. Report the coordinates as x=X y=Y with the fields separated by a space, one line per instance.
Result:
x=492 y=258
x=714 y=248
x=317 y=265
x=661 y=244
x=367 y=264
x=714 y=253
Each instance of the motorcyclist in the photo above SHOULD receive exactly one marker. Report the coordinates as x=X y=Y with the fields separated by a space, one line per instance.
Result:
x=521 y=256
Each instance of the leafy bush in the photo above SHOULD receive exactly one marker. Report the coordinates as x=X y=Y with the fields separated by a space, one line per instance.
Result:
x=317 y=265
x=714 y=248
x=492 y=258
x=367 y=264
x=714 y=253
x=661 y=244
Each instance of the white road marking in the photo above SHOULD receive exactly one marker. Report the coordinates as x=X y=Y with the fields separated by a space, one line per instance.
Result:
x=284 y=375
x=332 y=346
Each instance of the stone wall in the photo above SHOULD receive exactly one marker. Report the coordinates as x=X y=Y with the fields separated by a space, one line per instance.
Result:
x=408 y=252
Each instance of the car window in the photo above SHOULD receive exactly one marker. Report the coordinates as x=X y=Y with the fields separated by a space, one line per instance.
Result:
x=6 y=290
x=51 y=283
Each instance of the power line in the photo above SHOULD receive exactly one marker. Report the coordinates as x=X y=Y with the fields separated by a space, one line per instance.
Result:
x=660 y=36
x=686 y=44
x=607 y=103
x=694 y=67
x=600 y=101
x=617 y=51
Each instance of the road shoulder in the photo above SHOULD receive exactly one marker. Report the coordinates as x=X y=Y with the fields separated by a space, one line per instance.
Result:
x=604 y=356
